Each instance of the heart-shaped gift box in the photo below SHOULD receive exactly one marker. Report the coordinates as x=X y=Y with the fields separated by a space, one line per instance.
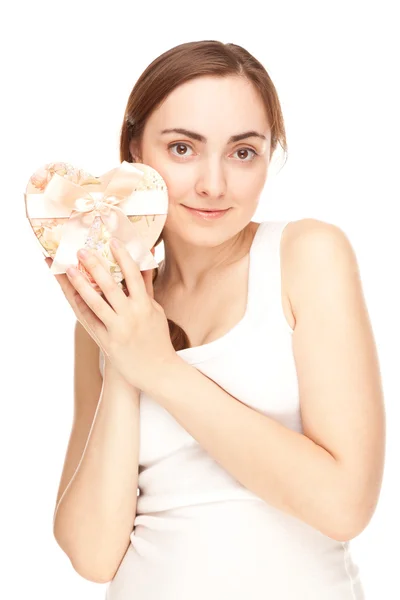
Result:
x=68 y=209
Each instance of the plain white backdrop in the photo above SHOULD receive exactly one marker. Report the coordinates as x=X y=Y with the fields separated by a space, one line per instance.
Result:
x=67 y=71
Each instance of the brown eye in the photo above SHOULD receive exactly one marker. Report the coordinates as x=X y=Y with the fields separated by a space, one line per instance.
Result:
x=244 y=153
x=181 y=149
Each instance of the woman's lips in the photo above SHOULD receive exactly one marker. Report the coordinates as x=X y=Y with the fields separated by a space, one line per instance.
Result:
x=214 y=214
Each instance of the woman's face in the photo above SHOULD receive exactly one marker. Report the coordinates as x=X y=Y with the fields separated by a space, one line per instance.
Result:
x=202 y=167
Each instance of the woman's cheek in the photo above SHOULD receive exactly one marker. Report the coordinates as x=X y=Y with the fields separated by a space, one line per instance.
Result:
x=179 y=182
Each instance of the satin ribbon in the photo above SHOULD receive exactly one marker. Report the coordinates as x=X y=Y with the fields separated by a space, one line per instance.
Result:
x=64 y=199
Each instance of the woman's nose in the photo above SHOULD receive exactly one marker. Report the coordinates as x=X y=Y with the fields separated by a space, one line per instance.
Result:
x=211 y=179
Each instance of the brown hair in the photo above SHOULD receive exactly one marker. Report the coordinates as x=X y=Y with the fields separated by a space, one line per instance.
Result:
x=177 y=66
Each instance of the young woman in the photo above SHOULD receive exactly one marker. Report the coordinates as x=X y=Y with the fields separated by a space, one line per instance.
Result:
x=241 y=394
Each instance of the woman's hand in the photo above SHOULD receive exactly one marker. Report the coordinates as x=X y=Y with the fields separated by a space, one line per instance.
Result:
x=131 y=330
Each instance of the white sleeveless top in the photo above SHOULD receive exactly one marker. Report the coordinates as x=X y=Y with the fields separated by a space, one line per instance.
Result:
x=201 y=535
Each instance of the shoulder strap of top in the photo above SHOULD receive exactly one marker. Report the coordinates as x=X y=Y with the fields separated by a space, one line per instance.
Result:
x=265 y=277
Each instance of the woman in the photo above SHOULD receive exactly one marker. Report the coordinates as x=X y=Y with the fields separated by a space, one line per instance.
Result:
x=241 y=393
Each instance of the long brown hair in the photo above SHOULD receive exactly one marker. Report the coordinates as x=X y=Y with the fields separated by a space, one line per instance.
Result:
x=177 y=66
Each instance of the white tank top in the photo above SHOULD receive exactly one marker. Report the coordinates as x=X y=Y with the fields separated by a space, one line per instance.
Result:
x=200 y=534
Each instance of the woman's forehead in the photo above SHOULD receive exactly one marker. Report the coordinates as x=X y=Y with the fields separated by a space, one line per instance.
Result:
x=205 y=104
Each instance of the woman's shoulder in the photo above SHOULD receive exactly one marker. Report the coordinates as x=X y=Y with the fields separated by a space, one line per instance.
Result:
x=309 y=226
x=304 y=242
x=310 y=234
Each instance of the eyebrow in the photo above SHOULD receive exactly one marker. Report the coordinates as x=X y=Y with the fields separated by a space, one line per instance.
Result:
x=201 y=138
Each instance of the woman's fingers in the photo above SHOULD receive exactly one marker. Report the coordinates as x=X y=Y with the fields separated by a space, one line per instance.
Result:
x=134 y=281
x=82 y=311
x=148 y=281
x=69 y=291
x=116 y=299
x=92 y=298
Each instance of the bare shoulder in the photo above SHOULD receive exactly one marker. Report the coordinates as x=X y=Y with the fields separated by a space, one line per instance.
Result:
x=309 y=244
x=311 y=228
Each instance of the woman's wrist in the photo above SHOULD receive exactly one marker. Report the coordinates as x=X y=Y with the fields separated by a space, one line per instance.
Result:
x=111 y=373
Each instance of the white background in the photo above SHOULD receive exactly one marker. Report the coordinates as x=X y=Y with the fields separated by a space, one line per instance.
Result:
x=67 y=71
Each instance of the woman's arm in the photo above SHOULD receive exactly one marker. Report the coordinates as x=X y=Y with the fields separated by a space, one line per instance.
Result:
x=87 y=389
x=95 y=512
x=331 y=476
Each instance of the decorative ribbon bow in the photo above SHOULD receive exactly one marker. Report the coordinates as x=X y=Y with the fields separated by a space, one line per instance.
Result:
x=63 y=198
